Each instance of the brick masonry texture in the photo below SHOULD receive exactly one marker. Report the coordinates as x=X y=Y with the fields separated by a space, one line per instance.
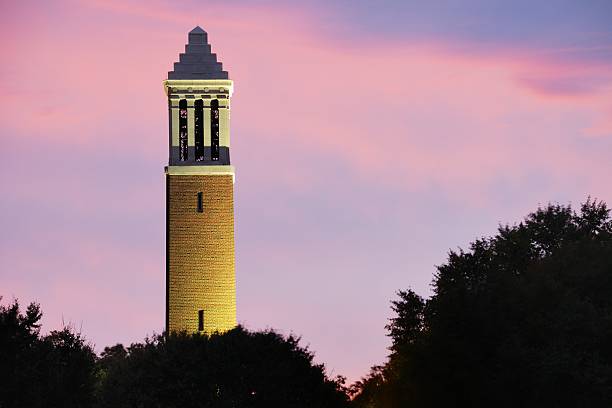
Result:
x=201 y=266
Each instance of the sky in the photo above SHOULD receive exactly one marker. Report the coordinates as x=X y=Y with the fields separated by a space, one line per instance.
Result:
x=369 y=139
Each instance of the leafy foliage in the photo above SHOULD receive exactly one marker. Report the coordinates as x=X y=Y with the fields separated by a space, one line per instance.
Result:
x=56 y=370
x=235 y=369
x=521 y=319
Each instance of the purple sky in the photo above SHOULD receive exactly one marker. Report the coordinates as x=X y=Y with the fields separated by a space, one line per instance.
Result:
x=368 y=141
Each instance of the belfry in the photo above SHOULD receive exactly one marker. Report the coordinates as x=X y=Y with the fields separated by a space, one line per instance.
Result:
x=200 y=265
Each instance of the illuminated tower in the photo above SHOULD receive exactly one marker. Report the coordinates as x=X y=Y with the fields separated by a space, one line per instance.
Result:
x=200 y=276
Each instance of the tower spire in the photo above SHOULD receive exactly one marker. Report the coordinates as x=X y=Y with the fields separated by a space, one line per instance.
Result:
x=198 y=62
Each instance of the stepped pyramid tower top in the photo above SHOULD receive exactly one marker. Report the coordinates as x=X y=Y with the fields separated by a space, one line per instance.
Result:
x=198 y=62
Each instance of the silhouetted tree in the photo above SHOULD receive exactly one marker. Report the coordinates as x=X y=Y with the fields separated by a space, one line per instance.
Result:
x=56 y=370
x=235 y=369
x=522 y=319
x=373 y=390
x=18 y=337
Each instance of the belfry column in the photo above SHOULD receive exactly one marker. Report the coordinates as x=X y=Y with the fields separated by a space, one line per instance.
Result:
x=190 y=127
x=174 y=120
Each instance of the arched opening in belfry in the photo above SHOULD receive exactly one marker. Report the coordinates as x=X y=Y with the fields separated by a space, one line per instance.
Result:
x=183 y=138
x=214 y=129
x=198 y=115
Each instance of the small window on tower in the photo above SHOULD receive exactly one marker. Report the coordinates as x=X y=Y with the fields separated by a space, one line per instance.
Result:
x=183 y=151
x=200 y=320
x=200 y=202
x=214 y=129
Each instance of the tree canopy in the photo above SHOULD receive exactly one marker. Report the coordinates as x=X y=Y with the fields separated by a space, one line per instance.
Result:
x=238 y=368
x=234 y=369
x=55 y=370
x=523 y=318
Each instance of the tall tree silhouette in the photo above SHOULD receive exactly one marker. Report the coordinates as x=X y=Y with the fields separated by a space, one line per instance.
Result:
x=56 y=370
x=520 y=319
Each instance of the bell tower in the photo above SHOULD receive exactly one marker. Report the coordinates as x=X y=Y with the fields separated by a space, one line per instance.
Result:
x=200 y=266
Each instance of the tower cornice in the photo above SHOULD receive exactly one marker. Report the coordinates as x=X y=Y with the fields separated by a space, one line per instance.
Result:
x=205 y=86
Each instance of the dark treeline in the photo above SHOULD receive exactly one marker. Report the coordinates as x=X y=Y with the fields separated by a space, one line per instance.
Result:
x=42 y=371
x=235 y=369
x=521 y=319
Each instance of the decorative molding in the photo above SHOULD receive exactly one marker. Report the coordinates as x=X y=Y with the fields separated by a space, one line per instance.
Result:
x=222 y=170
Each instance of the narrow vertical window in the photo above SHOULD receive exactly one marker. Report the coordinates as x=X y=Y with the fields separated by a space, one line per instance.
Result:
x=200 y=202
x=199 y=129
x=183 y=151
x=200 y=320
x=214 y=129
